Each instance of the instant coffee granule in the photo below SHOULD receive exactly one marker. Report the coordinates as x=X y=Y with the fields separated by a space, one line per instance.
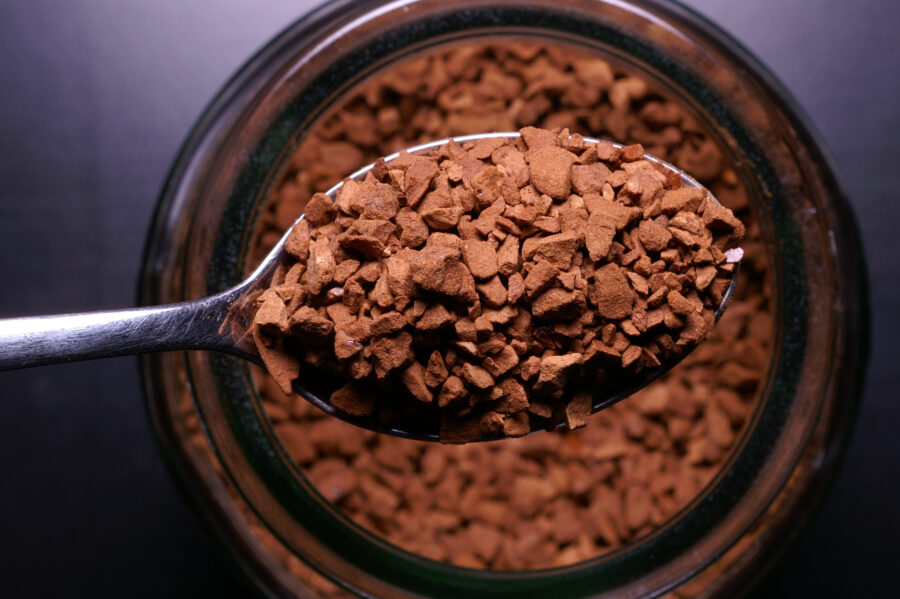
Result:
x=489 y=285
x=551 y=498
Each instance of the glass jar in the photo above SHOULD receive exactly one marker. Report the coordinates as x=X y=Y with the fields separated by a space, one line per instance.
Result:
x=214 y=206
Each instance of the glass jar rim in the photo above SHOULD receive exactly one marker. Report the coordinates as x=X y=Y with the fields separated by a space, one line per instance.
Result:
x=259 y=444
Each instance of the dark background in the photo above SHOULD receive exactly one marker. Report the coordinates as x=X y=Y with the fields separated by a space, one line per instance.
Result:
x=95 y=98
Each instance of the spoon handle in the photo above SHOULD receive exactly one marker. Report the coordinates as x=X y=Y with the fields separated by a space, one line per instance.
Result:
x=37 y=340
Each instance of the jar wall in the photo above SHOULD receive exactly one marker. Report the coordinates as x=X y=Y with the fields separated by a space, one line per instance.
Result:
x=746 y=336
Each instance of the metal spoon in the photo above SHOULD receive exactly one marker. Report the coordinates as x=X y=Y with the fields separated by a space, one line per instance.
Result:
x=199 y=324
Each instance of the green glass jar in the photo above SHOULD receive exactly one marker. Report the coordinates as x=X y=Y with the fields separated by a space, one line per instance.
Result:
x=209 y=215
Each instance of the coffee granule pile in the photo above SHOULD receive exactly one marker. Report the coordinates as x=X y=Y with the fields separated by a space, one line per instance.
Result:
x=498 y=282
x=501 y=506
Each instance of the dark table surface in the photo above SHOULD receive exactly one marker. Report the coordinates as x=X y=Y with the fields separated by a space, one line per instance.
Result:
x=95 y=98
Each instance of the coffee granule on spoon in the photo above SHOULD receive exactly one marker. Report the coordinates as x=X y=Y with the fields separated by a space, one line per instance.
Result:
x=498 y=283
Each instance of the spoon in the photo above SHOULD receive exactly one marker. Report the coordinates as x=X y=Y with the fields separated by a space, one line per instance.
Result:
x=216 y=322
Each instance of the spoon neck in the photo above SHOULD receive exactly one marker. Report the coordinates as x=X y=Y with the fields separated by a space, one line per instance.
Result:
x=38 y=340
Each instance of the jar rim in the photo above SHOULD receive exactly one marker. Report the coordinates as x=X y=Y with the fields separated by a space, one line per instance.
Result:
x=410 y=571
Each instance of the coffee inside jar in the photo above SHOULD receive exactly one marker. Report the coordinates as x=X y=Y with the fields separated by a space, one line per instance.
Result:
x=549 y=499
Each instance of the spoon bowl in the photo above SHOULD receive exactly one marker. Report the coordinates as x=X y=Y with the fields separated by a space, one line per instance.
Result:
x=223 y=322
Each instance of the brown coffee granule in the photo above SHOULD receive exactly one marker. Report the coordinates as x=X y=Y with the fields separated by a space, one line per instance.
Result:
x=664 y=446
x=585 y=313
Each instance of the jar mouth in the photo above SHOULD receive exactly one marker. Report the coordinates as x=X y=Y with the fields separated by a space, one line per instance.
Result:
x=362 y=549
